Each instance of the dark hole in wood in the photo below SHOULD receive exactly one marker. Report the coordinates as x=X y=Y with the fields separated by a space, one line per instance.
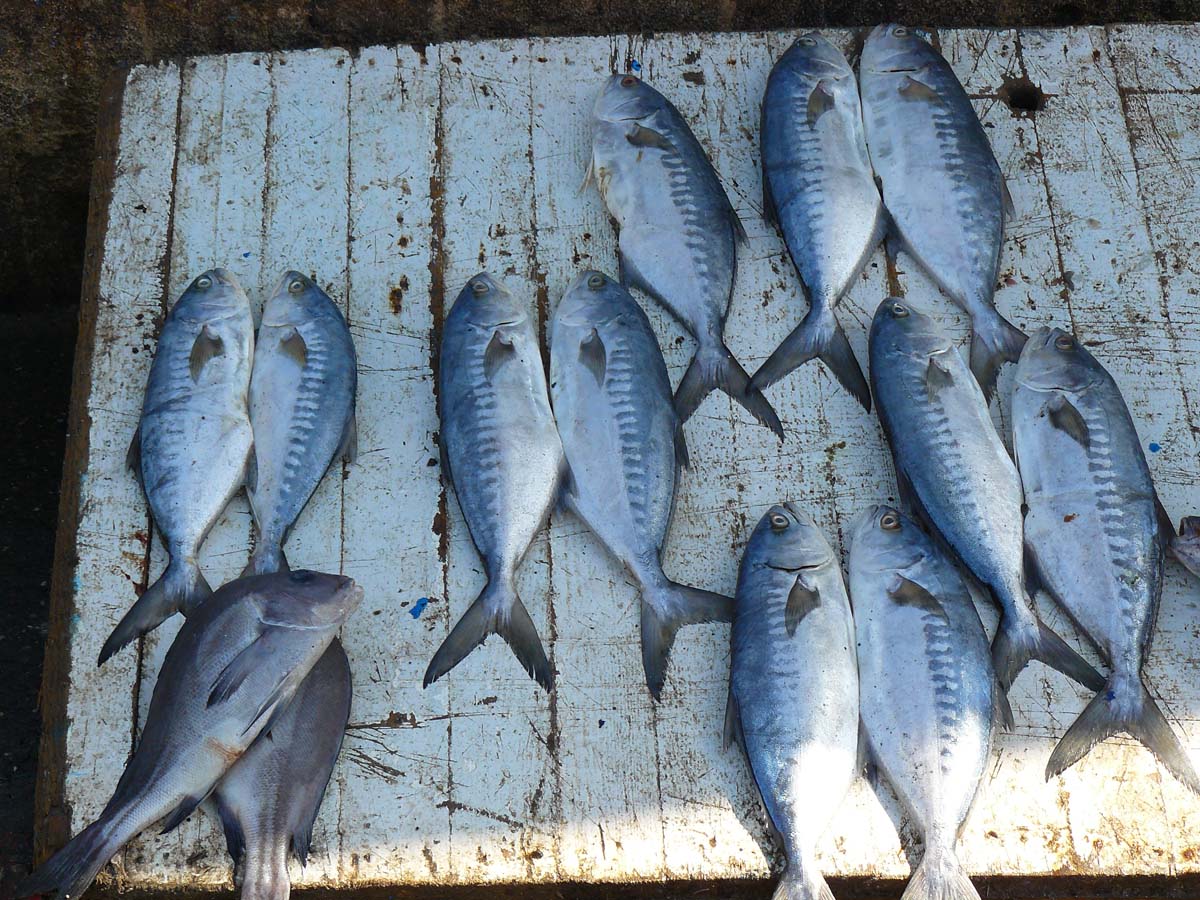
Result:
x=1022 y=96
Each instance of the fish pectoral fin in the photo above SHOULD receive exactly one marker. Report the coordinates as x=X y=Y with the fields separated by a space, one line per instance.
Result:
x=911 y=89
x=252 y=659
x=641 y=136
x=251 y=477
x=908 y=593
x=208 y=345
x=819 y=101
x=802 y=599
x=294 y=347
x=733 y=724
x=133 y=456
x=593 y=356
x=348 y=447
x=1066 y=418
x=500 y=349
x=937 y=376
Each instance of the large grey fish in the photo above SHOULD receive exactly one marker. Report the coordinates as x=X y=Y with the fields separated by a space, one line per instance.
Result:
x=818 y=186
x=233 y=667
x=501 y=450
x=624 y=447
x=192 y=444
x=1098 y=535
x=678 y=231
x=268 y=801
x=301 y=407
x=1186 y=545
x=953 y=467
x=941 y=184
x=793 y=686
x=929 y=695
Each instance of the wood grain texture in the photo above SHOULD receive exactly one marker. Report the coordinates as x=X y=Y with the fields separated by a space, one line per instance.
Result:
x=392 y=175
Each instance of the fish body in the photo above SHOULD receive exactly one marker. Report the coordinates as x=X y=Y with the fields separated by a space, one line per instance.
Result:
x=793 y=689
x=193 y=439
x=678 y=231
x=502 y=452
x=929 y=693
x=941 y=184
x=957 y=470
x=1095 y=529
x=623 y=445
x=301 y=408
x=819 y=187
x=233 y=667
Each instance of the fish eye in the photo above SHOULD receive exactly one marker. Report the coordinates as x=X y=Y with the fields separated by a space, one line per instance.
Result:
x=807 y=41
x=301 y=577
x=778 y=521
x=1064 y=342
x=900 y=31
x=479 y=288
x=889 y=521
x=628 y=81
x=595 y=282
x=296 y=286
x=204 y=282
x=899 y=310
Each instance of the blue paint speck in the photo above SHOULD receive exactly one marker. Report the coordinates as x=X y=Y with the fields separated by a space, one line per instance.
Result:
x=419 y=607
x=1154 y=448
x=635 y=67
x=246 y=255
x=1110 y=696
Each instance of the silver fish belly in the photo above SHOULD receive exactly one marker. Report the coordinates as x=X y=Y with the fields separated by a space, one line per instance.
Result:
x=1097 y=533
x=502 y=452
x=793 y=689
x=623 y=445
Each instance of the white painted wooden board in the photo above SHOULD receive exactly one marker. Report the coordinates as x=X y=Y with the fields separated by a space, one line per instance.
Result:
x=392 y=175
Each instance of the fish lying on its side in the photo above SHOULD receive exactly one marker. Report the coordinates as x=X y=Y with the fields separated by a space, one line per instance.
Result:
x=953 y=467
x=501 y=450
x=1097 y=533
x=929 y=695
x=1186 y=545
x=793 y=687
x=678 y=231
x=819 y=188
x=623 y=446
x=233 y=667
x=301 y=407
x=193 y=441
x=943 y=189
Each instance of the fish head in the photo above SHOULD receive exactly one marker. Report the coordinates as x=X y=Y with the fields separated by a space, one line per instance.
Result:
x=894 y=48
x=1053 y=359
x=899 y=327
x=788 y=539
x=485 y=303
x=1186 y=546
x=306 y=599
x=884 y=539
x=814 y=58
x=215 y=294
x=626 y=98
x=592 y=299
x=297 y=299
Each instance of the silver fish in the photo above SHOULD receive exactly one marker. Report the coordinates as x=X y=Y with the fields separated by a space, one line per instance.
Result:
x=268 y=801
x=1098 y=535
x=501 y=450
x=192 y=444
x=819 y=188
x=624 y=446
x=941 y=184
x=678 y=231
x=302 y=409
x=1186 y=545
x=233 y=667
x=793 y=686
x=929 y=695
x=953 y=467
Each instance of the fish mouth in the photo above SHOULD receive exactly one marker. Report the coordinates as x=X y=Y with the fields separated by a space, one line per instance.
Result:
x=808 y=568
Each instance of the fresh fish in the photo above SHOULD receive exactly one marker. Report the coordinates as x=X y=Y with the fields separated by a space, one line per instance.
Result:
x=1098 y=535
x=929 y=695
x=624 y=446
x=678 y=231
x=234 y=665
x=941 y=184
x=793 y=687
x=818 y=186
x=501 y=450
x=192 y=444
x=302 y=409
x=953 y=467
x=269 y=800
x=1186 y=545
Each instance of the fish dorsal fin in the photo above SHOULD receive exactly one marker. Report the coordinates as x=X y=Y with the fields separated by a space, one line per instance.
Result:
x=908 y=593
x=207 y=346
x=733 y=724
x=1066 y=418
x=499 y=350
x=294 y=347
x=937 y=375
x=819 y=101
x=593 y=356
x=641 y=136
x=911 y=89
x=802 y=599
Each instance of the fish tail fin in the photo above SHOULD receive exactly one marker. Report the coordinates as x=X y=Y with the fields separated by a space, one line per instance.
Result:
x=70 y=871
x=939 y=876
x=665 y=610
x=1112 y=711
x=1018 y=642
x=497 y=610
x=267 y=557
x=802 y=883
x=819 y=336
x=264 y=872
x=181 y=588
x=993 y=343
x=712 y=368
x=1186 y=546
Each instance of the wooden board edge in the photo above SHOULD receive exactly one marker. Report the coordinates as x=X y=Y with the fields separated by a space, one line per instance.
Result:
x=52 y=819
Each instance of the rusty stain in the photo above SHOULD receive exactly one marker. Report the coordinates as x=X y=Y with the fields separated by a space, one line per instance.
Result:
x=694 y=77
x=396 y=295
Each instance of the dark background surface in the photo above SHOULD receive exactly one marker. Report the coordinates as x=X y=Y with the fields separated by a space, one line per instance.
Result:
x=54 y=58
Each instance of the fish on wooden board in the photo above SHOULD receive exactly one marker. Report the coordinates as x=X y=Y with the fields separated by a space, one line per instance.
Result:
x=502 y=453
x=678 y=231
x=624 y=447
x=793 y=687
x=1097 y=534
x=193 y=441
